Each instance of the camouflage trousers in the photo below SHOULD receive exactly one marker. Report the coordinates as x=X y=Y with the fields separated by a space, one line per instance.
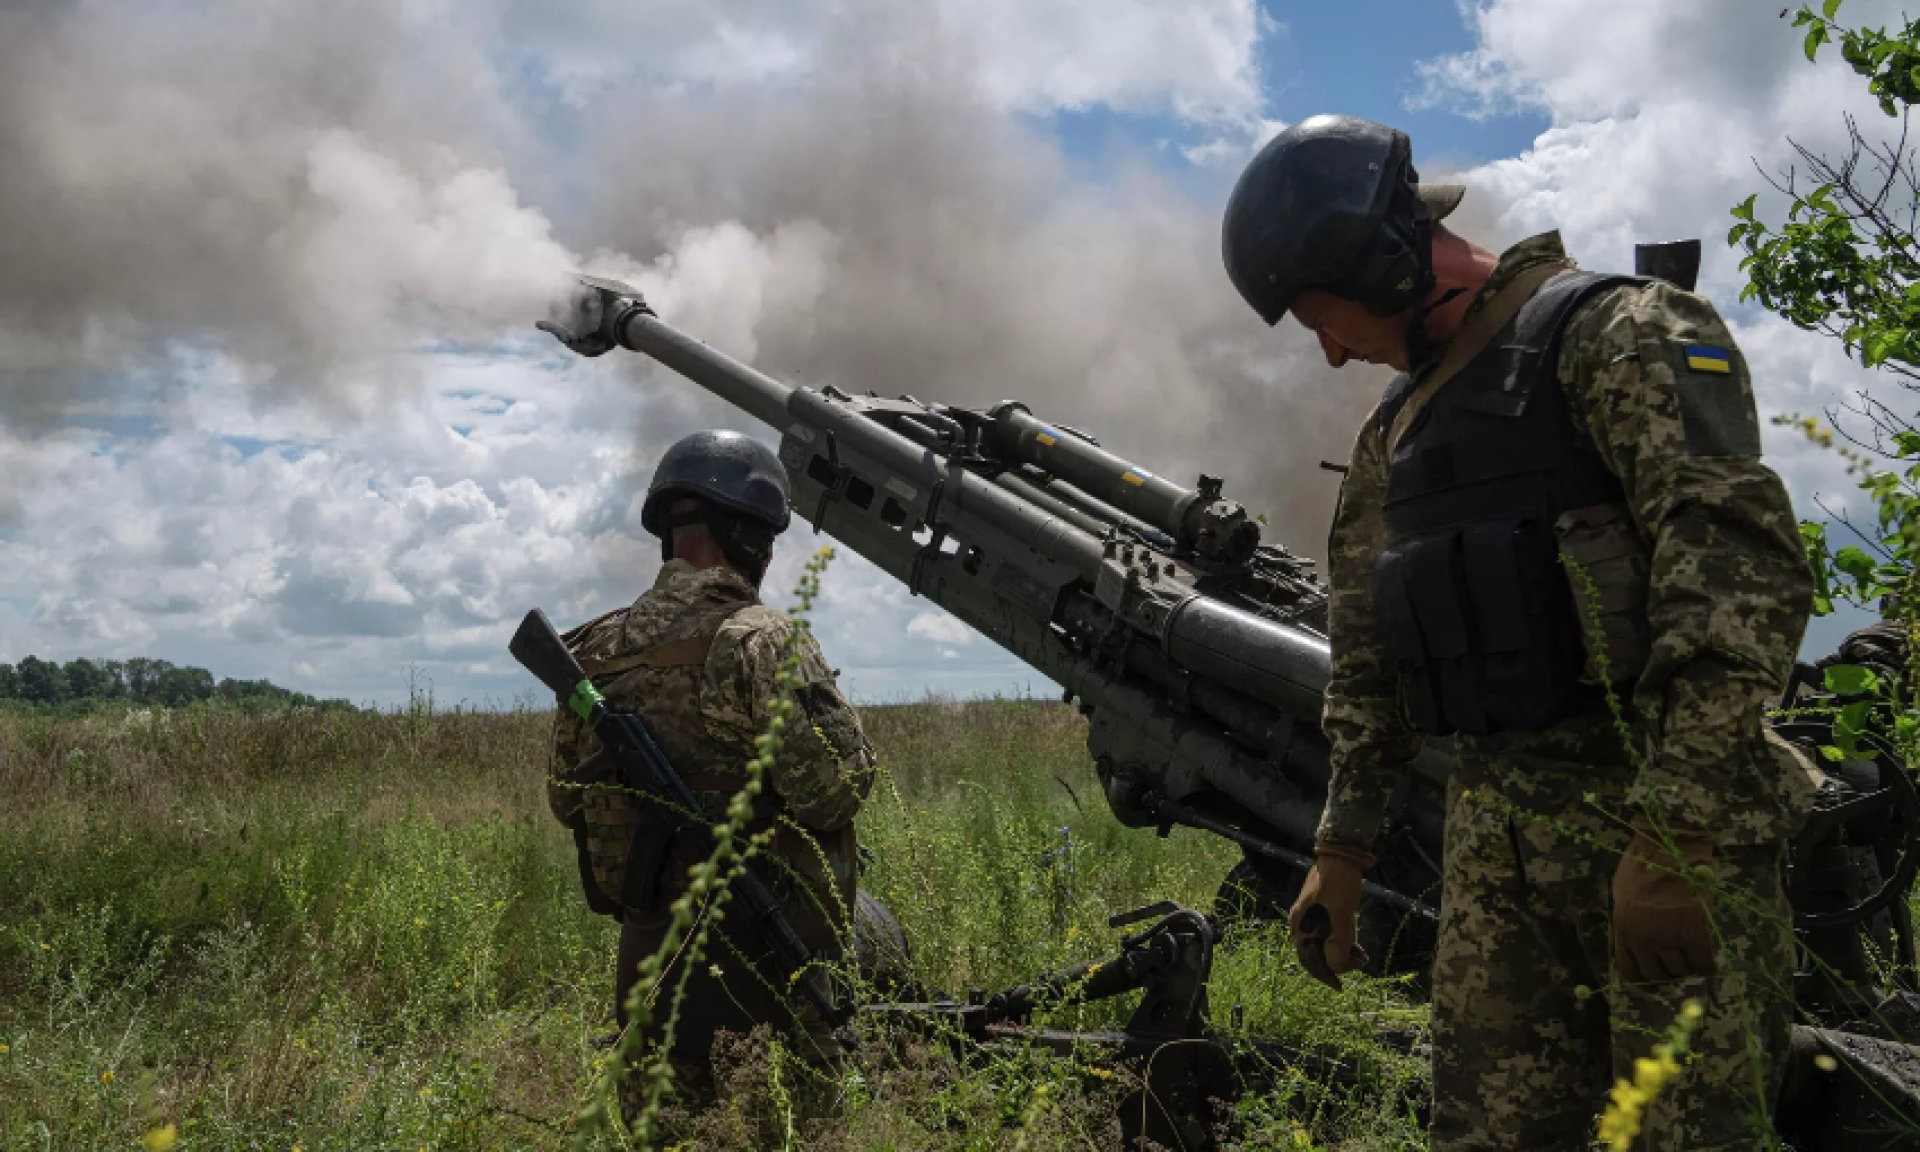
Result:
x=1530 y=1027
x=724 y=992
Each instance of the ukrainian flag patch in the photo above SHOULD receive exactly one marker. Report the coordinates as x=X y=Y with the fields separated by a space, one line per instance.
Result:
x=1047 y=437
x=1707 y=358
x=1135 y=476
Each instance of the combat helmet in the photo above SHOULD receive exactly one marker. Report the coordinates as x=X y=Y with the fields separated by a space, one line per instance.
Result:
x=1334 y=203
x=741 y=487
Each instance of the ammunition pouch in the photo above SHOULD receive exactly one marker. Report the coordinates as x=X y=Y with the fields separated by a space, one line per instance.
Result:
x=626 y=840
x=1608 y=566
x=575 y=820
x=1474 y=619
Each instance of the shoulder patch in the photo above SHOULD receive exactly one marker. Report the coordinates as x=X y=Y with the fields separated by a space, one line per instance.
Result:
x=1716 y=402
x=1708 y=358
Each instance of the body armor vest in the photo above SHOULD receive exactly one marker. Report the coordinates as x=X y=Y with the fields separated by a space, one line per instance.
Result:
x=627 y=842
x=1474 y=607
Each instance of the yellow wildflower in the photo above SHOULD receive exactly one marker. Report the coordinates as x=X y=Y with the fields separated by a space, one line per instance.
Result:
x=160 y=1139
x=1628 y=1101
x=4 y=1049
x=107 y=1076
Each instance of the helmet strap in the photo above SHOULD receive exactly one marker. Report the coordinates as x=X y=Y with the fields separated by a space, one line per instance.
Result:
x=745 y=542
x=1422 y=348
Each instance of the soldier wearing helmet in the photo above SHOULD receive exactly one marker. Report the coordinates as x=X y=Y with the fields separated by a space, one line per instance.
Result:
x=698 y=656
x=1557 y=507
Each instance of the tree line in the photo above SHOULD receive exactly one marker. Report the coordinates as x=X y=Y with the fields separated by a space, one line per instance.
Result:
x=141 y=682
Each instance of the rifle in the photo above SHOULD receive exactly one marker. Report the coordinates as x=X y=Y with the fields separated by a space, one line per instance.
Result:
x=1197 y=652
x=641 y=765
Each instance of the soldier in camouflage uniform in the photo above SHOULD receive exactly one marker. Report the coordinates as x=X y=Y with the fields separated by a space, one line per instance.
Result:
x=1548 y=421
x=698 y=656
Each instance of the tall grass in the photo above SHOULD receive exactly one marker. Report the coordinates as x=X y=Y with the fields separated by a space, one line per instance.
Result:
x=335 y=930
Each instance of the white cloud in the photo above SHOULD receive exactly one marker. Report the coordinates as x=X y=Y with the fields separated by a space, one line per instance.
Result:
x=1589 y=59
x=1664 y=116
x=1194 y=58
x=939 y=628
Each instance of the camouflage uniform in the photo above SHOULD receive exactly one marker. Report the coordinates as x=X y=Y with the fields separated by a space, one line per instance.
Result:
x=698 y=655
x=1536 y=819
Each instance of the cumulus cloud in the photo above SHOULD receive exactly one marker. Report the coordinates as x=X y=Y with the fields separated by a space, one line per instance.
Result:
x=1654 y=136
x=1192 y=57
x=939 y=628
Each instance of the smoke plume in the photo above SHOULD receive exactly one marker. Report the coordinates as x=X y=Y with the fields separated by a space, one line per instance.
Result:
x=315 y=191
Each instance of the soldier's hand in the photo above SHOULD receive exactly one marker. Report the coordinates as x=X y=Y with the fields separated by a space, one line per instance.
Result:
x=1661 y=926
x=1324 y=916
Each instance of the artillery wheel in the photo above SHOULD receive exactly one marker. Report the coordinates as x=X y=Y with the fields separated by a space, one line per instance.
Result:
x=880 y=948
x=1256 y=892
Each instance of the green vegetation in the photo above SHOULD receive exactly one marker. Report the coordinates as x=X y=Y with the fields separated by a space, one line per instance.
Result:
x=352 y=930
x=85 y=685
x=1845 y=262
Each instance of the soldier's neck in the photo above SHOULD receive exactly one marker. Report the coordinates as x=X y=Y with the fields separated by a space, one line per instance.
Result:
x=1463 y=268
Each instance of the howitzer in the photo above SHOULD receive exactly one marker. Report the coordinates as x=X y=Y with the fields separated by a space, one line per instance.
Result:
x=642 y=765
x=1198 y=654
x=1196 y=651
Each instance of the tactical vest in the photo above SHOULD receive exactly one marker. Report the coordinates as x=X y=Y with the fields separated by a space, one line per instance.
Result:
x=626 y=842
x=1488 y=487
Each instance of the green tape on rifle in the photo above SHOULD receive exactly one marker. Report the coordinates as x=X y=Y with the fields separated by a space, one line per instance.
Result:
x=584 y=697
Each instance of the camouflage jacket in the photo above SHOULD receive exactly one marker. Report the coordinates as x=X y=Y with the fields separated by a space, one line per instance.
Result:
x=707 y=705
x=1728 y=594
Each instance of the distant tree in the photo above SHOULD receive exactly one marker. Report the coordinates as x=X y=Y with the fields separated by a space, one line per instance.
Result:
x=87 y=680
x=41 y=681
x=143 y=681
x=141 y=676
x=178 y=687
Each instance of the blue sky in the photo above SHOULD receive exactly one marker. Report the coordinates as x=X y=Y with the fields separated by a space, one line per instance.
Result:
x=271 y=393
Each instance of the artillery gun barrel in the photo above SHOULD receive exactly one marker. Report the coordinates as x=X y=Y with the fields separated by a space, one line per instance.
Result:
x=753 y=392
x=1282 y=666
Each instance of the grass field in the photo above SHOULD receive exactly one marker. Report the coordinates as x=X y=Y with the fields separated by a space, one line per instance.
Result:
x=338 y=930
